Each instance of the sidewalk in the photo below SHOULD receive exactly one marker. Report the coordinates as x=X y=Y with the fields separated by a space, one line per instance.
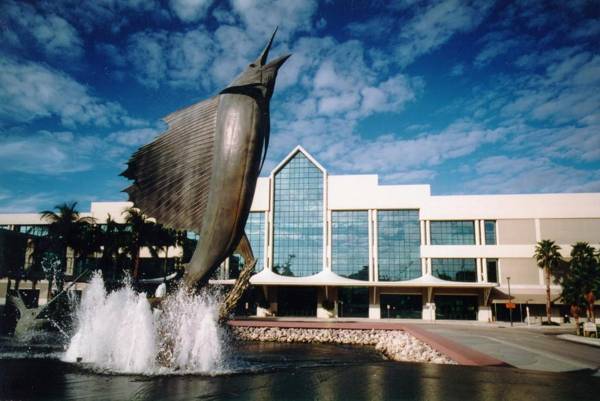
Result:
x=534 y=349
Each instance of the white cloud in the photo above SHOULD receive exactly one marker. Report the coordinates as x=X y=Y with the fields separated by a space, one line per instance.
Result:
x=503 y=174
x=564 y=93
x=190 y=10
x=434 y=25
x=29 y=91
x=496 y=45
x=47 y=153
x=27 y=203
x=413 y=176
x=59 y=153
x=23 y=25
x=111 y=15
x=260 y=17
x=135 y=137
x=173 y=58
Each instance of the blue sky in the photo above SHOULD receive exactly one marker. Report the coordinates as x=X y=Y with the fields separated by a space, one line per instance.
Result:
x=468 y=96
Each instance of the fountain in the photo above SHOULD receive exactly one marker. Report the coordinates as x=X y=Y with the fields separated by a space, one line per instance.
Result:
x=120 y=332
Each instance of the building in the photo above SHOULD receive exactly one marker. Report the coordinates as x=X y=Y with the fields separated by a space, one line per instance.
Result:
x=346 y=246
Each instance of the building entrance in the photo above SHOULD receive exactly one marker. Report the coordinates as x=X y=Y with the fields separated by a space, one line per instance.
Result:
x=296 y=301
x=401 y=306
x=456 y=307
x=353 y=302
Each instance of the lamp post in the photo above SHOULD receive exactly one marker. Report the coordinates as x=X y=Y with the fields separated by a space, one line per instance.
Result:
x=510 y=302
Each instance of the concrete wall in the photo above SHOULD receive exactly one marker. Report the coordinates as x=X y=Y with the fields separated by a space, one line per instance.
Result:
x=515 y=231
x=569 y=231
x=522 y=271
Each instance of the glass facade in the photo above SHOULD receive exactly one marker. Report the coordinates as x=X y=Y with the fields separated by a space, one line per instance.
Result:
x=398 y=244
x=492 y=270
x=400 y=306
x=298 y=218
x=353 y=302
x=38 y=230
x=490 y=232
x=255 y=230
x=456 y=307
x=452 y=232
x=455 y=269
x=350 y=244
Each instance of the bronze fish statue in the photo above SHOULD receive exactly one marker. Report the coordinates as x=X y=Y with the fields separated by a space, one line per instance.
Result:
x=200 y=175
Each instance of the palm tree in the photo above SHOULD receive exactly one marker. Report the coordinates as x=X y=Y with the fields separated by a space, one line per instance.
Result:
x=114 y=239
x=165 y=238
x=142 y=235
x=584 y=265
x=548 y=257
x=64 y=231
x=571 y=284
x=88 y=242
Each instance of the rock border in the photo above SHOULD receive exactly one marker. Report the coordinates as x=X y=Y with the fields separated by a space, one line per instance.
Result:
x=396 y=345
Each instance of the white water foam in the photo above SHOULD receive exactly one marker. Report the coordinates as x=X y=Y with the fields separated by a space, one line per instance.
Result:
x=120 y=332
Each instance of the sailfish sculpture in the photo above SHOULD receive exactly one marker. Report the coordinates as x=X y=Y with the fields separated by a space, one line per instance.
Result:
x=200 y=175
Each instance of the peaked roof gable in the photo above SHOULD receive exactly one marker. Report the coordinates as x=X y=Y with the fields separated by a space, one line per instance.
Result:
x=290 y=156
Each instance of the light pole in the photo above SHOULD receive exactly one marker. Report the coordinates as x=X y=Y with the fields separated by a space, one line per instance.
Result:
x=509 y=302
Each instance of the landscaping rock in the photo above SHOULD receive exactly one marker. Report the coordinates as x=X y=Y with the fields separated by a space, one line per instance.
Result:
x=394 y=344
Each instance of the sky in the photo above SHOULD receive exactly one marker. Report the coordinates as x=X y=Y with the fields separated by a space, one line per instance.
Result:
x=471 y=97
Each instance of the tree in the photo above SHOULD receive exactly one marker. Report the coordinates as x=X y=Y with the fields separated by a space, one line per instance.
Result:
x=64 y=231
x=142 y=235
x=571 y=284
x=163 y=239
x=114 y=240
x=584 y=266
x=548 y=257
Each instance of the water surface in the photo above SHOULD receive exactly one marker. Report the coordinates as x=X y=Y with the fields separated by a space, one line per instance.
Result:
x=271 y=371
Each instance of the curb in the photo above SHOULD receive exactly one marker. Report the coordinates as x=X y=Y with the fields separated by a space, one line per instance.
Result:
x=594 y=342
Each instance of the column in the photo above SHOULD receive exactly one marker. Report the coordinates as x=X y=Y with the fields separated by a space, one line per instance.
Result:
x=374 y=244
x=428 y=312
x=374 y=308
x=482 y=231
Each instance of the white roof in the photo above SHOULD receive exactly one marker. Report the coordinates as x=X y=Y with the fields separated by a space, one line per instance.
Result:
x=329 y=278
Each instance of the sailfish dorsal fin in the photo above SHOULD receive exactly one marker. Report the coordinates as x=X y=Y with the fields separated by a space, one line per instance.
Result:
x=172 y=173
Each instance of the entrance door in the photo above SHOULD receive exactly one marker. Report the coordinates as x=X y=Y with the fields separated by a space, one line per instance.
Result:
x=401 y=306
x=353 y=302
x=297 y=301
x=456 y=307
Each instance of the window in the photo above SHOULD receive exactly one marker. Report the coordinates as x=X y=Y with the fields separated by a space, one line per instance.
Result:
x=492 y=270
x=401 y=306
x=455 y=269
x=298 y=218
x=255 y=230
x=38 y=230
x=353 y=302
x=490 y=232
x=350 y=244
x=452 y=233
x=398 y=244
